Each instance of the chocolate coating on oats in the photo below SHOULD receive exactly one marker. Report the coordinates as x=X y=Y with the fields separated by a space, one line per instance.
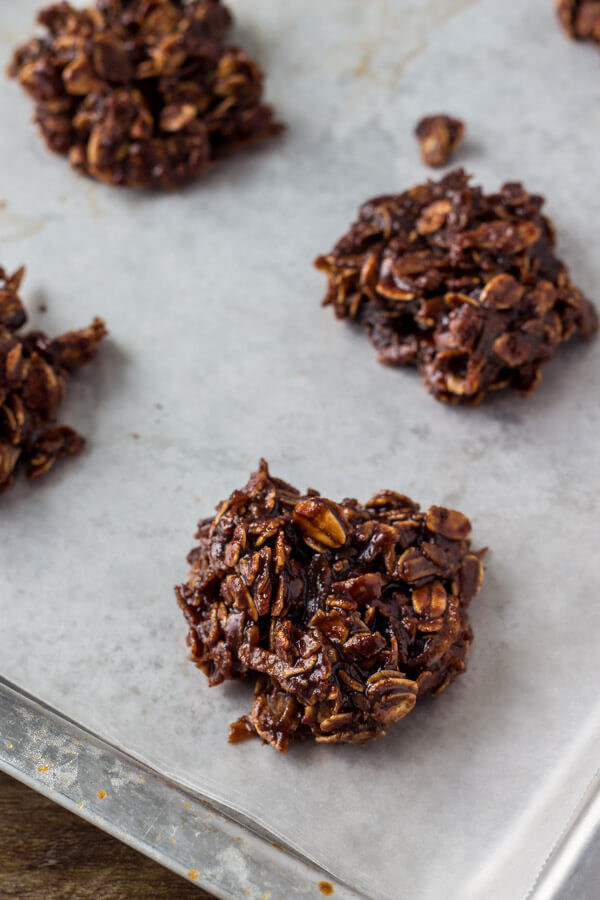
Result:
x=580 y=18
x=464 y=285
x=142 y=93
x=348 y=614
x=34 y=373
x=439 y=136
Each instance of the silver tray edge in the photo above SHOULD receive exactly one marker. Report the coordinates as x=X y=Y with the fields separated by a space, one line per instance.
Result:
x=184 y=832
x=572 y=870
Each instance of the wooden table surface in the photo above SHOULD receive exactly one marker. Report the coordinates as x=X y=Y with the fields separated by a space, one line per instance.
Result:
x=46 y=852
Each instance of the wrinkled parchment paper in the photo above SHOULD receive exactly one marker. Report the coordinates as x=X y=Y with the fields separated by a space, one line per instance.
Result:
x=219 y=353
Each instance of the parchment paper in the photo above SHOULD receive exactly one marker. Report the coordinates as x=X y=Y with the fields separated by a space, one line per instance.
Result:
x=219 y=353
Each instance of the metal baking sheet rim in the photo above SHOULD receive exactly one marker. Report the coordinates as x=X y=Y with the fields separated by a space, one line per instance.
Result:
x=191 y=835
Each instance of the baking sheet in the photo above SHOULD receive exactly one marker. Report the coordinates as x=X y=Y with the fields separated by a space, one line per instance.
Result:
x=219 y=353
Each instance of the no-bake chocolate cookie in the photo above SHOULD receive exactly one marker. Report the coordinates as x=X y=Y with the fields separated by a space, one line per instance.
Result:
x=466 y=286
x=580 y=18
x=34 y=373
x=142 y=93
x=345 y=615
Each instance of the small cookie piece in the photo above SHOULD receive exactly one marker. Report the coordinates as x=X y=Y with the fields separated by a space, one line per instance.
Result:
x=464 y=285
x=142 y=93
x=439 y=136
x=580 y=18
x=34 y=373
x=346 y=615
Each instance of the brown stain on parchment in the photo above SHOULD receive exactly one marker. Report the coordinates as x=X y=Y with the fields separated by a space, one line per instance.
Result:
x=95 y=210
x=14 y=227
x=432 y=18
x=439 y=17
x=364 y=67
